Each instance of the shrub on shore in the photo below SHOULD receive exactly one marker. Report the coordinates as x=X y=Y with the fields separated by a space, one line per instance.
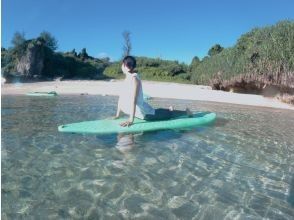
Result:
x=261 y=57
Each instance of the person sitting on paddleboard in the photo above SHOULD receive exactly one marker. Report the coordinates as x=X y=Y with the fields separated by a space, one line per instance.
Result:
x=131 y=100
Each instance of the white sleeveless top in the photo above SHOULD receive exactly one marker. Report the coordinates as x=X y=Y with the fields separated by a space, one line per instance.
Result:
x=127 y=95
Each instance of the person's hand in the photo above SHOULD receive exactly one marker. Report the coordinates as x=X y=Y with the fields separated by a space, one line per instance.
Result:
x=126 y=124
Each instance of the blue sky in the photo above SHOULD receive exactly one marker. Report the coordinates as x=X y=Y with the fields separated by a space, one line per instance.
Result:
x=170 y=29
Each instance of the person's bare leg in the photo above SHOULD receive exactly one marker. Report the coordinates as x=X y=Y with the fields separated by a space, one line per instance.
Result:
x=189 y=113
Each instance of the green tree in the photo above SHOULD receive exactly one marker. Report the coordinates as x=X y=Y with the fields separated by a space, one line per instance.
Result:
x=83 y=54
x=18 y=39
x=127 y=47
x=20 y=44
x=49 y=40
x=216 y=49
x=74 y=53
x=195 y=62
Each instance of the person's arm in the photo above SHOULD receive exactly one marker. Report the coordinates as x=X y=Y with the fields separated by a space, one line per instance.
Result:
x=118 y=111
x=134 y=101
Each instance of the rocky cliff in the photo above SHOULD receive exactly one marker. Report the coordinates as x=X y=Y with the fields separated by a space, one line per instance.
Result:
x=30 y=65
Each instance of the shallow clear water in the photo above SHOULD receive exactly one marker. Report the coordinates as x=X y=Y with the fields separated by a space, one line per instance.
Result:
x=239 y=168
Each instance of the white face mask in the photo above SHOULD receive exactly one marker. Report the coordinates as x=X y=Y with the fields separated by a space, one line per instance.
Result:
x=125 y=69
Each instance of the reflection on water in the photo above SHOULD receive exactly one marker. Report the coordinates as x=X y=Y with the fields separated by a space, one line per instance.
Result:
x=125 y=142
x=239 y=168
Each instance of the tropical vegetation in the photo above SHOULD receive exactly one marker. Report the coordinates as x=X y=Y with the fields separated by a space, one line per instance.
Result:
x=261 y=57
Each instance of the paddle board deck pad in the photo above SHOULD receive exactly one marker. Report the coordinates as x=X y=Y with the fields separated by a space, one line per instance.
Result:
x=112 y=126
x=42 y=94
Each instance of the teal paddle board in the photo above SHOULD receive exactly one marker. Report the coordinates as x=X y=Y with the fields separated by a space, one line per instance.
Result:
x=42 y=94
x=112 y=126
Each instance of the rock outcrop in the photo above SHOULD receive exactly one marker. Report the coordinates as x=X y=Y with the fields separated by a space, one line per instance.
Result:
x=31 y=64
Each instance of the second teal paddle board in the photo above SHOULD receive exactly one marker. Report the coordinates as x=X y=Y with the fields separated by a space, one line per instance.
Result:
x=42 y=94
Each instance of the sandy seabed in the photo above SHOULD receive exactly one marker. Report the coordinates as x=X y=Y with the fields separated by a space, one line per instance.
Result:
x=153 y=89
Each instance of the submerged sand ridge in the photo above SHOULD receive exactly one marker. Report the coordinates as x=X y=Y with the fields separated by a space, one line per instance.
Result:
x=153 y=89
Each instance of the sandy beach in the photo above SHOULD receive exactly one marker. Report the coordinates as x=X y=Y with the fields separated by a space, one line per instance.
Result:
x=153 y=89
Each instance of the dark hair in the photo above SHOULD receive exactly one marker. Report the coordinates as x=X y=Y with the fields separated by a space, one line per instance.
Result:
x=130 y=62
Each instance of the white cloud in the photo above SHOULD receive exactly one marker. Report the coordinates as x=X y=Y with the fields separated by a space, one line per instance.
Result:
x=104 y=55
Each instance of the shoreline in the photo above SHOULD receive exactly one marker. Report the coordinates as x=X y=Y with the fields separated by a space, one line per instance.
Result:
x=152 y=88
